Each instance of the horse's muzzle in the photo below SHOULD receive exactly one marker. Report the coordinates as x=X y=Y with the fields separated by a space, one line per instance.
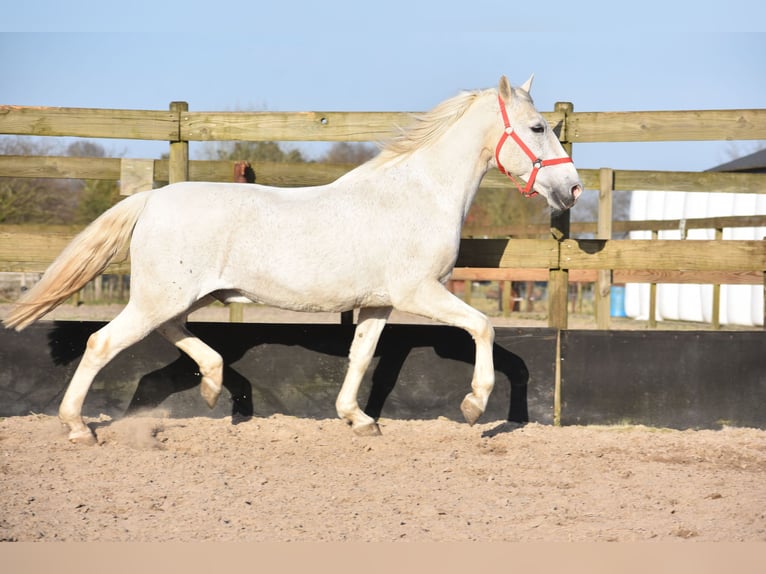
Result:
x=576 y=191
x=568 y=201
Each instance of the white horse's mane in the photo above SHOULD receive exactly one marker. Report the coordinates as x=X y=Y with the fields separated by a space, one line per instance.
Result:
x=427 y=126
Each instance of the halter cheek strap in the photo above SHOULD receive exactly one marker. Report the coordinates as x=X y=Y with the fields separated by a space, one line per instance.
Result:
x=537 y=163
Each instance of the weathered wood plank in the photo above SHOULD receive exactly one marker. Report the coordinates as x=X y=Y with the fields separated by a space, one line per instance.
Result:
x=267 y=173
x=508 y=253
x=118 y=268
x=33 y=248
x=298 y=175
x=24 y=248
x=667 y=126
x=617 y=226
x=730 y=255
x=136 y=175
x=696 y=223
x=363 y=126
x=628 y=180
x=302 y=126
x=306 y=174
x=619 y=276
x=89 y=123
x=18 y=245
x=517 y=274
x=291 y=126
x=58 y=167
x=688 y=277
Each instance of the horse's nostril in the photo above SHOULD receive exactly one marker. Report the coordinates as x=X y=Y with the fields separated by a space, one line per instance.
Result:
x=576 y=191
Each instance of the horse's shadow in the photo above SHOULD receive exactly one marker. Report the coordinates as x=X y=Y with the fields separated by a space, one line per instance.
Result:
x=234 y=341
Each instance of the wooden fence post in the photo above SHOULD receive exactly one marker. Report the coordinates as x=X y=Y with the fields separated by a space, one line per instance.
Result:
x=604 y=285
x=178 y=164
x=558 y=279
x=243 y=173
x=506 y=297
x=653 y=294
x=716 y=311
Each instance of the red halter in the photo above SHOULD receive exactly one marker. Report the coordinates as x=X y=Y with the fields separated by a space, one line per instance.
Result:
x=537 y=163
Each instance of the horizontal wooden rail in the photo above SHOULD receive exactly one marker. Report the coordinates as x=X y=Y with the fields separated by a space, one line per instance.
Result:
x=89 y=123
x=666 y=126
x=22 y=249
x=59 y=167
x=209 y=126
x=291 y=126
x=655 y=261
x=722 y=182
x=32 y=248
x=530 y=253
x=618 y=276
x=692 y=223
x=268 y=173
x=697 y=255
x=539 y=229
x=629 y=180
x=311 y=173
x=575 y=127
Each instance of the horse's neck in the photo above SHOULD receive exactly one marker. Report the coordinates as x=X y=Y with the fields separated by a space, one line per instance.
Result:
x=458 y=161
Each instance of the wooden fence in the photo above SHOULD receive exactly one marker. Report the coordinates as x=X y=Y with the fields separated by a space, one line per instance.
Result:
x=558 y=258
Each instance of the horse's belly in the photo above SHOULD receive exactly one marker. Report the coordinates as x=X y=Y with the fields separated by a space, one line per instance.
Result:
x=313 y=299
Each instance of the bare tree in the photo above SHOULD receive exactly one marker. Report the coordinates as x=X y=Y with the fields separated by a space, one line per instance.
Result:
x=52 y=201
x=34 y=200
x=350 y=153
x=254 y=152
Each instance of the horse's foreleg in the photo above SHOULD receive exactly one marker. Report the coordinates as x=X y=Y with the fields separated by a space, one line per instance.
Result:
x=366 y=335
x=210 y=363
x=434 y=301
x=102 y=346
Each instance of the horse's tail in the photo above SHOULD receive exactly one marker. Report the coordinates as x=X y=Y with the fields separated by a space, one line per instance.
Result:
x=88 y=254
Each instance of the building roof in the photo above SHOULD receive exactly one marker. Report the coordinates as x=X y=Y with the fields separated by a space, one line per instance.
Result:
x=752 y=163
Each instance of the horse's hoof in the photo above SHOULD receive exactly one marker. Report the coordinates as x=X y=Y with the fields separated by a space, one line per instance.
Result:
x=83 y=437
x=368 y=429
x=471 y=409
x=209 y=392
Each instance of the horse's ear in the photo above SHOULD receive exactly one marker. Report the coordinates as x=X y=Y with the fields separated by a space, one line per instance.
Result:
x=527 y=86
x=504 y=89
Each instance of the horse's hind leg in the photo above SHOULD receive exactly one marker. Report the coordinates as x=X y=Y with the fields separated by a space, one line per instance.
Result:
x=210 y=363
x=127 y=328
x=370 y=325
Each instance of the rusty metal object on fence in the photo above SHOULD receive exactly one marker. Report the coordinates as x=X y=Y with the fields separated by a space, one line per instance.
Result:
x=244 y=172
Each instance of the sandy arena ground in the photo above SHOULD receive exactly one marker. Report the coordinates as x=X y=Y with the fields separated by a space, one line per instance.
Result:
x=289 y=479
x=154 y=478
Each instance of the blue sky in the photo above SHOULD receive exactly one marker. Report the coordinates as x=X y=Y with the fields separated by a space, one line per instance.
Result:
x=391 y=56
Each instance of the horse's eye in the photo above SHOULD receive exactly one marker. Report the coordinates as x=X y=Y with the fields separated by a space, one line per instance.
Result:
x=538 y=129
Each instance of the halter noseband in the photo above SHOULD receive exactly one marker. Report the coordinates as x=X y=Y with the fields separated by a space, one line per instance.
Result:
x=537 y=163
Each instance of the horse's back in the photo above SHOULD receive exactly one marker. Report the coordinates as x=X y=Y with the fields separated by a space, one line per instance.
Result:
x=295 y=248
